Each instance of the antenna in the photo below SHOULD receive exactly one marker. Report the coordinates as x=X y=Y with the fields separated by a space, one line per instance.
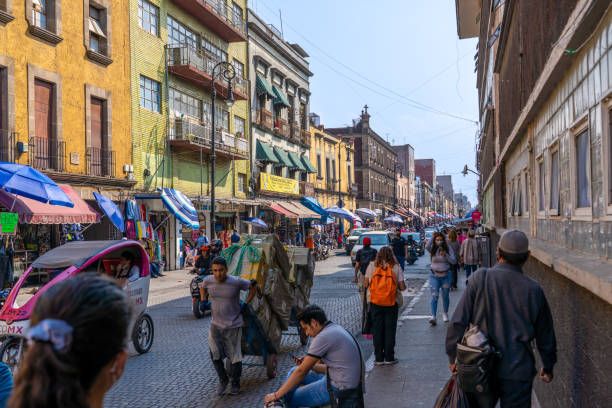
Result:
x=280 y=14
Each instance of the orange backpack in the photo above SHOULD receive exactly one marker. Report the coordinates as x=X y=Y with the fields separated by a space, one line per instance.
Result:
x=383 y=287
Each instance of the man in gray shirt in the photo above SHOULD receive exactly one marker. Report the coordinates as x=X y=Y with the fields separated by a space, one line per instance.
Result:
x=333 y=351
x=226 y=325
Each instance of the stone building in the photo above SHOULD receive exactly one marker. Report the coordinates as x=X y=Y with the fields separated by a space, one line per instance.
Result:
x=405 y=167
x=375 y=164
x=426 y=170
x=545 y=100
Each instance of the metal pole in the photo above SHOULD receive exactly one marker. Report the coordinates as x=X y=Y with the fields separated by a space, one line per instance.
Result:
x=212 y=160
x=201 y=176
x=395 y=186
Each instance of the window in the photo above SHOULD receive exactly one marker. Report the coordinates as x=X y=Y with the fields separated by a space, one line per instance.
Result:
x=606 y=152
x=239 y=126
x=183 y=104
x=554 y=183
x=526 y=183
x=278 y=171
x=582 y=153
x=236 y=14
x=149 y=94
x=334 y=171
x=221 y=118
x=100 y=158
x=148 y=17
x=241 y=183
x=319 y=169
x=180 y=35
x=541 y=199
x=350 y=178
x=239 y=68
x=214 y=50
x=39 y=13
x=96 y=33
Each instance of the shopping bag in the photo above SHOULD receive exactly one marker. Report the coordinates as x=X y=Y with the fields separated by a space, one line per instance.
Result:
x=452 y=396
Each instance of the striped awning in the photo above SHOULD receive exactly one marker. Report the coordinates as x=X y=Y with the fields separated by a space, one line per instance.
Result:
x=279 y=209
x=264 y=87
x=181 y=207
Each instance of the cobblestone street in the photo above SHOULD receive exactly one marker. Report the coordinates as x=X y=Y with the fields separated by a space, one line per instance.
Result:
x=178 y=372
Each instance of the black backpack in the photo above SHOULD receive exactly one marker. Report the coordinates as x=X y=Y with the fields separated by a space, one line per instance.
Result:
x=366 y=255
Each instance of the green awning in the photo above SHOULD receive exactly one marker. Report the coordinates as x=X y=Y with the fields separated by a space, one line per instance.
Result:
x=265 y=153
x=296 y=161
x=283 y=158
x=309 y=167
x=281 y=98
x=264 y=86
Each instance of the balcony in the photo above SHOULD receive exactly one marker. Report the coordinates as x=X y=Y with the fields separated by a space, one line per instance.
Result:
x=294 y=132
x=196 y=66
x=282 y=129
x=7 y=145
x=305 y=138
x=218 y=16
x=194 y=136
x=100 y=162
x=47 y=154
x=265 y=118
x=306 y=189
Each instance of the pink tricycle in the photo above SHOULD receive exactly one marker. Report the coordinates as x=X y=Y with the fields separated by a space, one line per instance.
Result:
x=62 y=263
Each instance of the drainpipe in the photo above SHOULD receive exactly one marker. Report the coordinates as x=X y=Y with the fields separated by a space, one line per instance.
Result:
x=250 y=118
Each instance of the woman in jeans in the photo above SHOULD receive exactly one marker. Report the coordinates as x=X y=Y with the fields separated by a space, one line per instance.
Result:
x=442 y=258
x=384 y=318
x=454 y=245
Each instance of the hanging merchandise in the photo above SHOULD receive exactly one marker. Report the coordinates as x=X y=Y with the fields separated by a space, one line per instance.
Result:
x=131 y=210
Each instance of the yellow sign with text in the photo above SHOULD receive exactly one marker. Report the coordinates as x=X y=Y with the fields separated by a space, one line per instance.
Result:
x=270 y=182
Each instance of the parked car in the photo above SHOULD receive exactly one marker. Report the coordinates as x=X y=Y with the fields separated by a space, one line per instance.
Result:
x=379 y=239
x=416 y=237
x=353 y=237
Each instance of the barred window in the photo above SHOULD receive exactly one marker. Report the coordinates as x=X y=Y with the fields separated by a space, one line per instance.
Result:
x=241 y=182
x=239 y=68
x=183 y=104
x=148 y=17
x=149 y=94
x=239 y=126
x=178 y=34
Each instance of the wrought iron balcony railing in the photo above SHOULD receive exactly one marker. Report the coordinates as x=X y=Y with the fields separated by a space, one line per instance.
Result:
x=7 y=145
x=47 y=154
x=100 y=162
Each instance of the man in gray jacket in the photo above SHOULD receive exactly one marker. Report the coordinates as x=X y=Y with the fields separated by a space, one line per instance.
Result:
x=469 y=255
x=518 y=313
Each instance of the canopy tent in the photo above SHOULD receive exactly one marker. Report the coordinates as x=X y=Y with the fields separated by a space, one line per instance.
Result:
x=265 y=153
x=312 y=204
x=412 y=212
x=298 y=209
x=343 y=213
x=279 y=209
x=256 y=222
x=394 y=218
x=366 y=213
x=280 y=97
x=295 y=159
x=309 y=167
x=264 y=87
x=283 y=158
x=177 y=204
x=111 y=210
x=35 y=212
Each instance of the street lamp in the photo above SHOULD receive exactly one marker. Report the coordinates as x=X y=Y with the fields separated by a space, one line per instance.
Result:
x=226 y=70
x=466 y=169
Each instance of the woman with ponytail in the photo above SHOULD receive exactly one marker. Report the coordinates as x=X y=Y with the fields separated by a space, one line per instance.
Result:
x=76 y=345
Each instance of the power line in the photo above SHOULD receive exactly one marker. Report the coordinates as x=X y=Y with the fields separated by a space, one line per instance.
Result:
x=414 y=103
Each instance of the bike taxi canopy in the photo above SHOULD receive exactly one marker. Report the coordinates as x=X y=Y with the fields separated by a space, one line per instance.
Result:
x=72 y=253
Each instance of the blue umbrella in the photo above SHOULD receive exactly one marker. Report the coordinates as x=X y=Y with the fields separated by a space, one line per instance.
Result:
x=24 y=181
x=257 y=222
x=340 y=212
x=366 y=212
x=111 y=210
x=394 y=218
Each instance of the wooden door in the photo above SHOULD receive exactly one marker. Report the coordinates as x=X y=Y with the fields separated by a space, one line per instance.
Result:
x=95 y=141
x=43 y=108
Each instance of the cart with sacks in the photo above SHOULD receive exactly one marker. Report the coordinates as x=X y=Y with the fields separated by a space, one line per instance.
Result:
x=284 y=280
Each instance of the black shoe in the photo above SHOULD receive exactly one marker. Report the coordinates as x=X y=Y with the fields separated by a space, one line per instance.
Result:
x=221 y=388
x=153 y=276
x=162 y=274
x=234 y=389
x=391 y=362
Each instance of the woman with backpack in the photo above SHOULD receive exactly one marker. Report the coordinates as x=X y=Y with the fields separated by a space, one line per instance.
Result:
x=385 y=281
x=442 y=260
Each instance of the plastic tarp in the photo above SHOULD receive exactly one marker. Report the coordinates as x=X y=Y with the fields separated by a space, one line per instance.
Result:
x=72 y=253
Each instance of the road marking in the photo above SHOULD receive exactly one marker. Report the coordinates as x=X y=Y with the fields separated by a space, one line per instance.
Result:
x=414 y=317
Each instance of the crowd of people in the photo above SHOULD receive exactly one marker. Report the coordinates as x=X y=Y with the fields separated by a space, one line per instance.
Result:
x=79 y=329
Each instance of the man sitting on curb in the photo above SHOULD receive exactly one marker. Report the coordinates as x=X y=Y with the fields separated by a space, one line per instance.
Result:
x=334 y=352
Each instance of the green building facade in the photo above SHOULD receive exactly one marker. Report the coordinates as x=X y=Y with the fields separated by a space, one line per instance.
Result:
x=174 y=46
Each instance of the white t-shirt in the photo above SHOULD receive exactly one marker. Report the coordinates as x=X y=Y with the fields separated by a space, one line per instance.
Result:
x=134 y=273
x=399 y=276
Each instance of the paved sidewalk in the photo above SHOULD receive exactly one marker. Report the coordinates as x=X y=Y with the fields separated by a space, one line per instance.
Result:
x=422 y=370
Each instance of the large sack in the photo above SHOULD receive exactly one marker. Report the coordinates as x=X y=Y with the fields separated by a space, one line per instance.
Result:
x=275 y=333
x=247 y=262
x=278 y=294
x=276 y=255
x=300 y=258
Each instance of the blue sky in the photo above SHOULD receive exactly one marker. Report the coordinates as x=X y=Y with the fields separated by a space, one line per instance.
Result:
x=381 y=53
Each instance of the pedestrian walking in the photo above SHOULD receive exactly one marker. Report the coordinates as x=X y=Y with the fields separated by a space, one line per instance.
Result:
x=519 y=314
x=470 y=255
x=384 y=280
x=453 y=244
x=363 y=258
x=462 y=235
x=442 y=258
x=235 y=238
x=400 y=248
x=76 y=345
x=224 y=335
x=333 y=365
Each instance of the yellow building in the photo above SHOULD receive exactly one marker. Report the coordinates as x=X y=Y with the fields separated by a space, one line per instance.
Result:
x=65 y=93
x=334 y=182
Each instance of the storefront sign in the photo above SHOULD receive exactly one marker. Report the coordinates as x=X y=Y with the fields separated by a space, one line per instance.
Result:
x=8 y=222
x=276 y=184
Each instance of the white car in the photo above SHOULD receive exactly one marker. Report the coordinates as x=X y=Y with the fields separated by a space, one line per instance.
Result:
x=379 y=239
